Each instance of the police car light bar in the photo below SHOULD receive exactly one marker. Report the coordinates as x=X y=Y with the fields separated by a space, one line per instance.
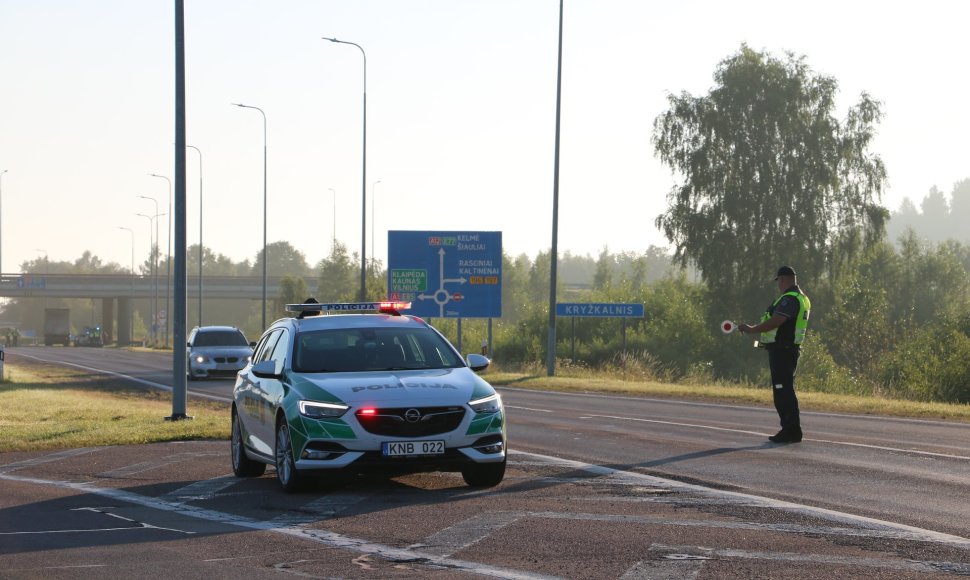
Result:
x=386 y=306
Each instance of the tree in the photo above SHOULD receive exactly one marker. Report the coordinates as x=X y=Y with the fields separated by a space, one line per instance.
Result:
x=293 y=290
x=339 y=276
x=770 y=175
x=282 y=259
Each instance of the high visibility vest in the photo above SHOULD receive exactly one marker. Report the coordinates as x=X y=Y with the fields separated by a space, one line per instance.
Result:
x=801 y=321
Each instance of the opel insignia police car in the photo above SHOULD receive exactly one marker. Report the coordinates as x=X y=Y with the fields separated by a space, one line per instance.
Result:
x=337 y=389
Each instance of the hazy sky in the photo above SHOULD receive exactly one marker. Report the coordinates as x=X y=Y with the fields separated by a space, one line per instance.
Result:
x=460 y=113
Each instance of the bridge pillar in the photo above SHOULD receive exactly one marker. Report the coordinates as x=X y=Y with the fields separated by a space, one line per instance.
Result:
x=124 y=320
x=108 y=319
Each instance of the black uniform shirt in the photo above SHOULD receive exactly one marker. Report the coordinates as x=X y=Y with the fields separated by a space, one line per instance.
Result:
x=788 y=307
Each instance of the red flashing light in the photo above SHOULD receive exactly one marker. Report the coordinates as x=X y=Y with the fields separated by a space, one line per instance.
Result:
x=368 y=412
x=393 y=307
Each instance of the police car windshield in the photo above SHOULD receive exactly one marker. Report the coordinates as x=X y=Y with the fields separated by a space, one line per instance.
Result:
x=372 y=349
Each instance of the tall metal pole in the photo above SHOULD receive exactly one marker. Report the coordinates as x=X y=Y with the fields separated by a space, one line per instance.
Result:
x=152 y=271
x=179 y=391
x=1 y=220
x=168 y=258
x=333 y=244
x=201 y=251
x=157 y=243
x=131 y=323
x=264 y=204
x=554 y=253
x=373 y=217
x=363 y=182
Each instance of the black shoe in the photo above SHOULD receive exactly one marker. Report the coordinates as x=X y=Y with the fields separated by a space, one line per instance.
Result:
x=784 y=436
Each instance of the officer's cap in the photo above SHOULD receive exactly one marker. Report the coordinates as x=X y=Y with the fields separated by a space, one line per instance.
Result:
x=785 y=271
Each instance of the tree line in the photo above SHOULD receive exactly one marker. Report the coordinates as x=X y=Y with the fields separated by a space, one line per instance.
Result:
x=765 y=173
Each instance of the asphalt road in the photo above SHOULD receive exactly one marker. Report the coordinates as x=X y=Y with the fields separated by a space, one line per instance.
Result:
x=598 y=486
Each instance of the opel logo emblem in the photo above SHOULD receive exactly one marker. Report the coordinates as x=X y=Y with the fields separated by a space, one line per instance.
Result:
x=412 y=415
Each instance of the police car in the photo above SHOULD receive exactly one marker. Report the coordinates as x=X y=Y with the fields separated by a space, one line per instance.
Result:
x=335 y=388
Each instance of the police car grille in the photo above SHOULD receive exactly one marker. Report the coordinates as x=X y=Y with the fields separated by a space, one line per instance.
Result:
x=396 y=423
x=224 y=359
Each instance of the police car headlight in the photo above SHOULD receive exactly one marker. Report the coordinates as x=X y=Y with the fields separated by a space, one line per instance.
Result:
x=489 y=404
x=317 y=410
x=199 y=359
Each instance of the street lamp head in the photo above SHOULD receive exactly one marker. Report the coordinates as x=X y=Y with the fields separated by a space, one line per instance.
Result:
x=331 y=39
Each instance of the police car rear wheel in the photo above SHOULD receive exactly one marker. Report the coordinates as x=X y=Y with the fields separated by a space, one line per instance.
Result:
x=242 y=466
x=484 y=474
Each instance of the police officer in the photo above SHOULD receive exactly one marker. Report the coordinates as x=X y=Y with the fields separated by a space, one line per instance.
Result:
x=782 y=330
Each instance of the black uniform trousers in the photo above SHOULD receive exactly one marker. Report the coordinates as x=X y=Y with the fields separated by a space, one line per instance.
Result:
x=783 y=360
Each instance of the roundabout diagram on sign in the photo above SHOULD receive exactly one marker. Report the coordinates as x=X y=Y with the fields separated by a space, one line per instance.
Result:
x=446 y=274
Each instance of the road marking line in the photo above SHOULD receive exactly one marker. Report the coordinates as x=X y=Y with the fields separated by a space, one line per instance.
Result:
x=742 y=431
x=48 y=458
x=467 y=532
x=914 y=533
x=327 y=538
x=128 y=378
x=856 y=417
x=200 y=490
x=897 y=564
x=143 y=466
x=321 y=509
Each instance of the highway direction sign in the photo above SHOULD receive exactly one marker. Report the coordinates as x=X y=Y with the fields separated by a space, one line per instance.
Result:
x=446 y=274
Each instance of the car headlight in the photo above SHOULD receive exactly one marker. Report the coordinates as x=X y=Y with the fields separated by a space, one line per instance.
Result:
x=489 y=404
x=199 y=359
x=317 y=410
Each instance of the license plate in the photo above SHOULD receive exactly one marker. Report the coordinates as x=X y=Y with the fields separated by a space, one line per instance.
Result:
x=410 y=448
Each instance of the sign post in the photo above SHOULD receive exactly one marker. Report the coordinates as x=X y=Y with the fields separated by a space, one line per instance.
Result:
x=576 y=310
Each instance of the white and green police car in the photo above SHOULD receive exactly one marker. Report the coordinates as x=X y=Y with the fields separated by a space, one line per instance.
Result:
x=338 y=389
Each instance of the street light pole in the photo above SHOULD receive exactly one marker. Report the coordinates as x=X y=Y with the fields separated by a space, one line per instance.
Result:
x=131 y=323
x=264 y=204
x=554 y=252
x=168 y=257
x=373 y=217
x=363 y=183
x=201 y=250
x=1 y=220
x=333 y=244
x=153 y=255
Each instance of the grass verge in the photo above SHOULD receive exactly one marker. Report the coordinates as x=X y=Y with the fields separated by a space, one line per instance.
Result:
x=45 y=407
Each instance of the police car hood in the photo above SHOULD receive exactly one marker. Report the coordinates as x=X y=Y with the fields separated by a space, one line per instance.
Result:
x=394 y=388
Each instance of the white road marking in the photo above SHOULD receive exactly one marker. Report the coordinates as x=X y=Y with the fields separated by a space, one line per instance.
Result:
x=200 y=490
x=876 y=418
x=327 y=538
x=48 y=458
x=528 y=409
x=745 y=432
x=905 y=531
x=145 y=382
x=320 y=509
x=884 y=563
x=467 y=532
x=143 y=466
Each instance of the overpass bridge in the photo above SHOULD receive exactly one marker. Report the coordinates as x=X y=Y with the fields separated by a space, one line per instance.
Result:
x=117 y=291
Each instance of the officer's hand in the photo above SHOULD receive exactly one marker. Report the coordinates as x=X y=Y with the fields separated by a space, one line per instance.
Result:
x=744 y=328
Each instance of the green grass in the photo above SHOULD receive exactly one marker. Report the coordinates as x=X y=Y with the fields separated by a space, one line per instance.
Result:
x=47 y=407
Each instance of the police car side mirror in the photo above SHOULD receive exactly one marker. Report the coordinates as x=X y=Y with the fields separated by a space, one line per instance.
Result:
x=266 y=370
x=478 y=362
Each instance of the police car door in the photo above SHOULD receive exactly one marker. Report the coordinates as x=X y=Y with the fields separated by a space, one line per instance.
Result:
x=249 y=399
x=271 y=390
